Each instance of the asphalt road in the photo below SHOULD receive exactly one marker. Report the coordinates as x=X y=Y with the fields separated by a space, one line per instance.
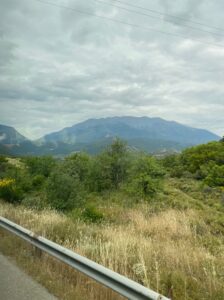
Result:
x=16 y=285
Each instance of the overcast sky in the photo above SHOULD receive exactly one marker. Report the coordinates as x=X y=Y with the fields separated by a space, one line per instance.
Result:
x=59 y=67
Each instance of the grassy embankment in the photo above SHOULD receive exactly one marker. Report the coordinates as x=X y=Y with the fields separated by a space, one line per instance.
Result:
x=173 y=243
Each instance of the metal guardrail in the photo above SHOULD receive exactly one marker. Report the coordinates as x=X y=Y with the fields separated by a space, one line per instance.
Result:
x=122 y=285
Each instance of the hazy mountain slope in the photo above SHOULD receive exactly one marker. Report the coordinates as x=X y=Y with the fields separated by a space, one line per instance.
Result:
x=14 y=143
x=130 y=128
x=10 y=136
x=169 y=130
x=147 y=134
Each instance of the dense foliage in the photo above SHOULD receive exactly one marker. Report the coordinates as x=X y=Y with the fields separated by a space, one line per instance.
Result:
x=203 y=162
x=68 y=184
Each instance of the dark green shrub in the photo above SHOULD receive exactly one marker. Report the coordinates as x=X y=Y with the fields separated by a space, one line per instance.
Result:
x=145 y=185
x=38 y=180
x=92 y=214
x=195 y=158
x=4 y=165
x=177 y=171
x=215 y=176
x=78 y=165
x=64 y=192
x=110 y=168
x=145 y=177
x=3 y=159
x=42 y=165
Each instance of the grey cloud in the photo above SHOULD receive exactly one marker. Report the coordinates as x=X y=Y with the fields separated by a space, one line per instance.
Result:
x=61 y=67
x=6 y=52
x=183 y=9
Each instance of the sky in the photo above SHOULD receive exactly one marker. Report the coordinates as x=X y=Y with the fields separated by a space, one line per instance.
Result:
x=60 y=64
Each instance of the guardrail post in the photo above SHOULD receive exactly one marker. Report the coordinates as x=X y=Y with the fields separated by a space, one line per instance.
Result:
x=170 y=293
x=37 y=252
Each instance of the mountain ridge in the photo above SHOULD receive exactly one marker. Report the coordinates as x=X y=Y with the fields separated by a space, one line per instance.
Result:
x=156 y=128
x=92 y=135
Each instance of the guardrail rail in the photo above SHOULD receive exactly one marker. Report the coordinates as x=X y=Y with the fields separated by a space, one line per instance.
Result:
x=122 y=285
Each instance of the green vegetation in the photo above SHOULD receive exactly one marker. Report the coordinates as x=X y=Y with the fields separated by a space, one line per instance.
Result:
x=158 y=221
x=67 y=184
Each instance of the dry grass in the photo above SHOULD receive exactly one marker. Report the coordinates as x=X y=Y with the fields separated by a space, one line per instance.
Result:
x=16 y=162
x=165 y=251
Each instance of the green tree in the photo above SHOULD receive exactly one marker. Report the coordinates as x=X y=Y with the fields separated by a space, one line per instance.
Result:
x=215 y=176
x=119 y=161
x=172 y=164
x=111 y=166
x=193 y=159
x=42 y=165
x=78 y=165
x=64 y=192
x=4 y=165
x=145 y=176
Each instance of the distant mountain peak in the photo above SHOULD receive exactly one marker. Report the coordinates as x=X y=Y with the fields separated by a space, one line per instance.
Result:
x=130 y=128
x=149 y=134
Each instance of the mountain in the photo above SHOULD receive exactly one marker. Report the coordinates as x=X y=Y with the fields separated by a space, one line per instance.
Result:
x=149 y=134
x=14 y=143
x=9 y=136
x=153 y=135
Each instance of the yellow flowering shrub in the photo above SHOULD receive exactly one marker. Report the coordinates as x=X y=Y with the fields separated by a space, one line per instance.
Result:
x=5 y=182
x=9 y=190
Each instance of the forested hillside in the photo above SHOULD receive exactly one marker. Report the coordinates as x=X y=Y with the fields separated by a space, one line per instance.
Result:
x=158 y=221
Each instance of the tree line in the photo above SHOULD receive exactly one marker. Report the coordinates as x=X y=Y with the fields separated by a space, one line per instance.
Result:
x=66 y=184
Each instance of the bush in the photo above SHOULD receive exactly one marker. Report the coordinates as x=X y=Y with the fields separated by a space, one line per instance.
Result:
x=35 y=201
x=92 y=214
x=4 y=165
x=40 y=165
x=78 y=165
x=63 y=191
x=3 y=159
x=195 y=158
x=144 y=185
x=145 y=176
x=215 y=176
x=9 y=191
x=38 y=181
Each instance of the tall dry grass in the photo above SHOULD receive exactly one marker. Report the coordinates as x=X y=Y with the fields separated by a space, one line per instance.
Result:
x=172 y=252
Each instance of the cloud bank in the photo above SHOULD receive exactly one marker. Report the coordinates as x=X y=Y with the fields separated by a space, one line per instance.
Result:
x=59 y=67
